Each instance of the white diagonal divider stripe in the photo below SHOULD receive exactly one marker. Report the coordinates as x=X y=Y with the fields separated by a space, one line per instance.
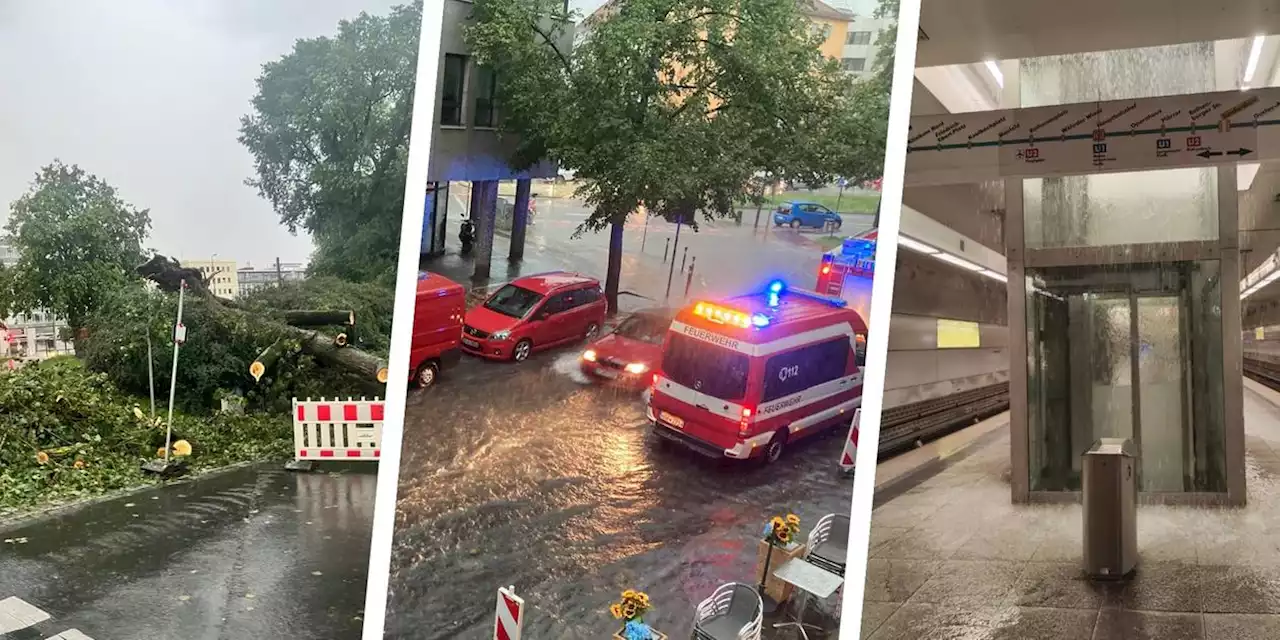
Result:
x=71 y=634
x=17 y=614
x=507 y=625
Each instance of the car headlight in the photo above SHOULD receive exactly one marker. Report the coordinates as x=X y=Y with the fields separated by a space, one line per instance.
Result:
x=589 y=355
x=501 y=335
x=637 y=368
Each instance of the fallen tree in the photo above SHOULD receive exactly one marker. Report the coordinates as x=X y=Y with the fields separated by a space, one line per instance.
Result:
x=169 y=275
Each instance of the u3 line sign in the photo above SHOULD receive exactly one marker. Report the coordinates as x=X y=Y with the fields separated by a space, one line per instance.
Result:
x=1097 y=137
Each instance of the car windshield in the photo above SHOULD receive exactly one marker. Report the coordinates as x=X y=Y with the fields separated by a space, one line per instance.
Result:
x=705 y=367
x=644 y=328
x=513 y=301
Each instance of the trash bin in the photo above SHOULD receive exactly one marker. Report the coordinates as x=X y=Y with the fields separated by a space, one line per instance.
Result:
x=1110 y=499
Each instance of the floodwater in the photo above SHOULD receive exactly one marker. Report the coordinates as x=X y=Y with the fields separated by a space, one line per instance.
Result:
x=524 y=476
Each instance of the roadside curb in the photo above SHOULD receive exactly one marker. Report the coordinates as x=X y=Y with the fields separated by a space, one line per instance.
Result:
x=934 y=466
x=40 y=514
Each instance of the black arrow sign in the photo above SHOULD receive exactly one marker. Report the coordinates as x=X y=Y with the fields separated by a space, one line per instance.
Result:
x=1242 y=152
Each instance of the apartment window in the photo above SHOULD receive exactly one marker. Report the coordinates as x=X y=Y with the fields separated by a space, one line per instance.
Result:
x=858 y=37
x=485 y=91
x=455 y=68
x=854 y=64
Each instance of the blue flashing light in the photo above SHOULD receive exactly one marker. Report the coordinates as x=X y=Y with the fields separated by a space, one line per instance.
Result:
x=776 y=287
x=772 y=301
x=760 y=320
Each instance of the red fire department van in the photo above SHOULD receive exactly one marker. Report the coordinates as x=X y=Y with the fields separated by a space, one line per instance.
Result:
x=747 y=376
x=437 y=327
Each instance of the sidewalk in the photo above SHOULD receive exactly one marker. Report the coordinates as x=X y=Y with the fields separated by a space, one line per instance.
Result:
x=953 y=558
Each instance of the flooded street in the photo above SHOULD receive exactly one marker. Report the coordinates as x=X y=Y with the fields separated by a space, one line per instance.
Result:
x=523 y=475
x=256 y=552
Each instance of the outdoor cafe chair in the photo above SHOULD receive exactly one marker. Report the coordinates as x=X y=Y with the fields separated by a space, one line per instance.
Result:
x=827 y=542
x=733 y=612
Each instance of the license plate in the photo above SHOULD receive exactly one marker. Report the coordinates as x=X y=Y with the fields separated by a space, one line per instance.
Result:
x=674 y=421
x=605 y=372
x=471 y=343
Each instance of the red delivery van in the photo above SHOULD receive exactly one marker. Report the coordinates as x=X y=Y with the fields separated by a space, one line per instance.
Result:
x=437 y=327
x=746 y=376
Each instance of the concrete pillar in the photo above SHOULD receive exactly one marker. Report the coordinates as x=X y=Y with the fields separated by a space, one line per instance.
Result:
x=1232 y=366
x=520 y=219
x=484 y=216
x=1019 y=425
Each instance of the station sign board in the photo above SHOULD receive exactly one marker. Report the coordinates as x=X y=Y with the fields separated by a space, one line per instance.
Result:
x=1166 y=132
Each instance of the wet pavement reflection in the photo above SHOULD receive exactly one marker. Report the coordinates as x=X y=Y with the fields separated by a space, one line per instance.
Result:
x=522 y=475
x=253 y=553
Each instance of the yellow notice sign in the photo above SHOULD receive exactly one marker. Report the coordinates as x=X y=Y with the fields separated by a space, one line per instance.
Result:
x=957 y=334
x=1259 y=333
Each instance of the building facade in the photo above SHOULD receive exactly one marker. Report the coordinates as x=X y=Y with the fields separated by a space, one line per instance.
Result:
x=466 y=146
x=219 y=275
x=250 y=278
x=861 y=45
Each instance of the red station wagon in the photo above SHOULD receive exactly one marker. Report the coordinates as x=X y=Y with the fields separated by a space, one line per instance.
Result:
x=534 y=313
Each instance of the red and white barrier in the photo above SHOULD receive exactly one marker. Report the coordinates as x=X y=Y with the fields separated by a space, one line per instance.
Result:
x=337 y=429
x=509 y=618
x=850 y=454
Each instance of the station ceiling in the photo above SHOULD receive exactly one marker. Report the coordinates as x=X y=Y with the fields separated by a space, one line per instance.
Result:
x=968 y=31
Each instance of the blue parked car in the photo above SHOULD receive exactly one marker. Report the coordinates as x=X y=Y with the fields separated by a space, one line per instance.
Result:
x=805 y=214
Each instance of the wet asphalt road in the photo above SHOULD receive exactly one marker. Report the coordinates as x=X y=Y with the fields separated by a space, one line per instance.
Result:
x=522 y=475
x=257 y=552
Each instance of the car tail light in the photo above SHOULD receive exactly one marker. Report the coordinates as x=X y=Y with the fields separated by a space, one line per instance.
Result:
x=742 y=423
x=654 y=383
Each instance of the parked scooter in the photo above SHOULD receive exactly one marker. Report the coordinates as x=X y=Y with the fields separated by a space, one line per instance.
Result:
x=467 y=236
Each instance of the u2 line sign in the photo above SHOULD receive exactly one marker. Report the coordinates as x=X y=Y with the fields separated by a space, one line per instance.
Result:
x=1098 y=137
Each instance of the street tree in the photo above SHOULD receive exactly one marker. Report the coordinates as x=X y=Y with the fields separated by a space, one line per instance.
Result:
x=77 y=242
x=329 y=134
x=673 y=104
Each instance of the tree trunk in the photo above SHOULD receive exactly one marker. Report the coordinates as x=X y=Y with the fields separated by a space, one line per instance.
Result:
x=311 y=319
x=168 y=275
x=614 y=272
x=265 y=360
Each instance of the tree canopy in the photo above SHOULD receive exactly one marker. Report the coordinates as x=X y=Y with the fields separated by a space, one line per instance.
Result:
x=77 y=242
x=672 y=104
x=329 y=134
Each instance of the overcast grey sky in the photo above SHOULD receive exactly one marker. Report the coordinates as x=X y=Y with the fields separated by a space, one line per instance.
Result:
x=147 y=94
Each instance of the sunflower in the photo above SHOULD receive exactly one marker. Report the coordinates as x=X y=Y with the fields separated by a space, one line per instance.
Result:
x=784 y=536
x=629 y=609
x=793 y=519
x=616 y=610
x=182 y=448
x=643 y=598
x=42 y=457
x=628 y=594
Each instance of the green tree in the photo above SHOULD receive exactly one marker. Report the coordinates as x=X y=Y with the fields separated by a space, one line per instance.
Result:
x=77 y=243
x=329 y=134
x=675 y=104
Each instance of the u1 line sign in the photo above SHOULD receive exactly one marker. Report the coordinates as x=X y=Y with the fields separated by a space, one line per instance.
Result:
x=1098 y=137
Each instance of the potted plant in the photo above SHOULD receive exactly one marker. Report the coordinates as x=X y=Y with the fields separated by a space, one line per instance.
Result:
x=631 y=610
x=780 y=543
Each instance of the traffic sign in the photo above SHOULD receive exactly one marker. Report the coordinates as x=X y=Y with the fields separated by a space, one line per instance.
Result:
x=509 y=618
x=1096 y=137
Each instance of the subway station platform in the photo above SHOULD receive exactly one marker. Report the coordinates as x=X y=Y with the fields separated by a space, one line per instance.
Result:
x=951 y=557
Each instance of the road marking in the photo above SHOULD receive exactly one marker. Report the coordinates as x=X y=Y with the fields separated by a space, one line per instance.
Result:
x=71 y=634
x=16 y=614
